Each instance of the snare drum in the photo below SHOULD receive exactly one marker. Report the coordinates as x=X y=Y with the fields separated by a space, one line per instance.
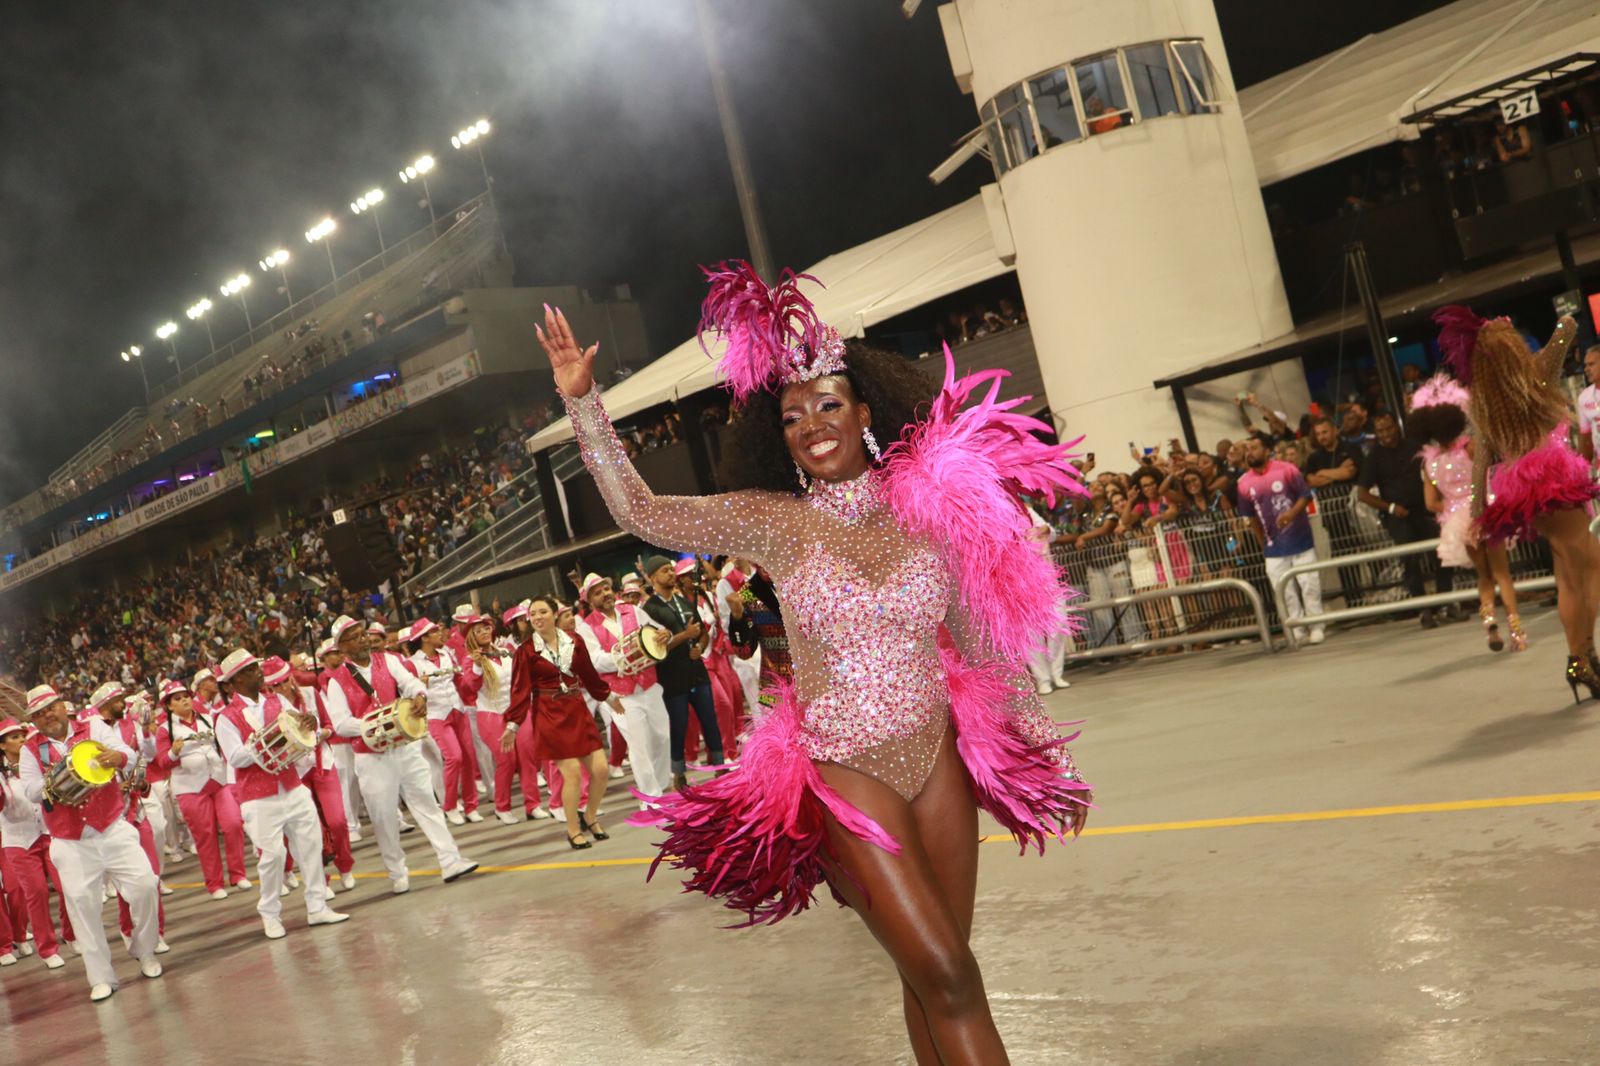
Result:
x=281 y=743
x=74 y=779
x=640 y=650
x=389 y=727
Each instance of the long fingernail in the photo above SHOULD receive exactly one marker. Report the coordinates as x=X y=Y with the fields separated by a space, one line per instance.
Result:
x=547 y=307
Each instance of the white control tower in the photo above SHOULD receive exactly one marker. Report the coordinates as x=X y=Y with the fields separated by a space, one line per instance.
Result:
x=1128 y=194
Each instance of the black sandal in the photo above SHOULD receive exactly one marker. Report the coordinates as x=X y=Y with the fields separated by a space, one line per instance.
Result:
x=576 y=845
x=592 y=829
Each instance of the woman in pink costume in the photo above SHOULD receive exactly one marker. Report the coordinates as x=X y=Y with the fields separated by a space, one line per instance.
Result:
x=912 y=598
x=1439 y=417
x=1542 y=486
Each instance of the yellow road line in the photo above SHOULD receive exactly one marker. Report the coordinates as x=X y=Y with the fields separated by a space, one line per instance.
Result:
x=1502 y=802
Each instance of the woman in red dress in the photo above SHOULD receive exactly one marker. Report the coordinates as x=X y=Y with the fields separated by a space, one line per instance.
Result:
x=546 y=676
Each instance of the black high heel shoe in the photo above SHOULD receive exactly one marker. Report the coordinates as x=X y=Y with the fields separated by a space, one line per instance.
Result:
x=592 y=829
x=577 y=845
x=1581 y=672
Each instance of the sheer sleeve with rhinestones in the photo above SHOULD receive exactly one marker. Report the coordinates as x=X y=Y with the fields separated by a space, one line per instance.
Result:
x=732 y=523
x=1024 y=706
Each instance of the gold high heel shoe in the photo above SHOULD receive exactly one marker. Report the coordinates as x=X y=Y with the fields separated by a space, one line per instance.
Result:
x=1491 y=629
x=1519 y=636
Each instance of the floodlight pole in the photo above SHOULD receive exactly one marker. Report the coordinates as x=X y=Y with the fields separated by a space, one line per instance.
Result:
x=755 y=229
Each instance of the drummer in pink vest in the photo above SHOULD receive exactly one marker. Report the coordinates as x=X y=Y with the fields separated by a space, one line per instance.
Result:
x=274 y=804
x=644 y=723
x=370 y=681
x=110 y=722
x=297 y=686
x=90 y=842
x=344 y=756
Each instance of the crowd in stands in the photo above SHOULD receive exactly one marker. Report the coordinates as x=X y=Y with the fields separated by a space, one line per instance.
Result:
x=274 y=591
x=980 y=320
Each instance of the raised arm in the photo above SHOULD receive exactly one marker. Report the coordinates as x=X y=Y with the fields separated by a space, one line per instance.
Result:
x=735 y=523
x=1553 y=355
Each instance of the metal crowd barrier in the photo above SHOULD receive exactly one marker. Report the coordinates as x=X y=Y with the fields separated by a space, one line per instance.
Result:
x=1388 y=606
x=1260 y=629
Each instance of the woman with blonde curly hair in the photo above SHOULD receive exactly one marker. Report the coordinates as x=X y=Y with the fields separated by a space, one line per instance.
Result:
x=1541 y=486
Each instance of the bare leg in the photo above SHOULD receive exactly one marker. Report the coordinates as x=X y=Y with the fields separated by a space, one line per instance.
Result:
x=1577 y=556
x=599 y=774
x=571 y=790
x=918 y=905
x=1500 y=566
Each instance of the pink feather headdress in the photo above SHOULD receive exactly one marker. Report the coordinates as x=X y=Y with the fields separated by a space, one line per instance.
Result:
x=1439 y=390
x=1459 y=326
x=771 y=335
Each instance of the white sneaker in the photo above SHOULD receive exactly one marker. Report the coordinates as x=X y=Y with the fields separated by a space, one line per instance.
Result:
x=243 y=882
x=327 y=888
x=539 y=814
x=100 y=992
x=1318 y=635
x=293 y=880
x=274 y=928
x=24 y=949
x=506 y=816
x=400 y=885
x=150 y=968
x=220 y=893
x=127 y=941
x=326 y=917
x=54 y=962
x=1042 y=688
x=77 y=948
x=348 y=880
x=616 y=772
x=165 y=891
x=8 y=959
x=483 y=789
x=474 y=816
x=558 y=813
x=355 y=835
x=461 y=868
x=283 y=890
x=1061 y=682
x=162 y=947
x=405 y=826
x=455 y=818
x=540 y=778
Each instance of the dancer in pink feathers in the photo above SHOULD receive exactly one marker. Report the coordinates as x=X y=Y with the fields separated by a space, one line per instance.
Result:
x=1541 y=486
x=1439 y=419
x=911 y=595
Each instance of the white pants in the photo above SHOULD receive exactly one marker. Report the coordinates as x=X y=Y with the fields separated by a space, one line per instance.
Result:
x=84 y=865
x=485 y=756
x=268 y=820
x=435 y=760
x=646 y=728
x=402 y=773
x=1303 y=595
x=162 y=810
x=344 y=760
x=1048 y=658
x=748 y=672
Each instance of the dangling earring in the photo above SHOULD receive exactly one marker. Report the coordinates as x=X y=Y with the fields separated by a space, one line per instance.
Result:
x=872 y=443
x=801 y=474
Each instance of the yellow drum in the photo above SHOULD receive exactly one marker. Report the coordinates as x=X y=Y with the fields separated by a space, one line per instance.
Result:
x=389 y=727
x=73 y=780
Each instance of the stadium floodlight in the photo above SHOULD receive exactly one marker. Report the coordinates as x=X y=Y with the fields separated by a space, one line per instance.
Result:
x=197 y=313
x=235 y=286
x=322 y=231
x=369 y=201
x=418 y=170
x=278 y=260
x=166 y=331
x=131 y=353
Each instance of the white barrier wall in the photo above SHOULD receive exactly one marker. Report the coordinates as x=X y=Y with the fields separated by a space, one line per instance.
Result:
x=1142 y=251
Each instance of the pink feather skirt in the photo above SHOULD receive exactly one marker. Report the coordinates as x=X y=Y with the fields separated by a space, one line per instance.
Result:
x=757 y=838
x=1552 y=477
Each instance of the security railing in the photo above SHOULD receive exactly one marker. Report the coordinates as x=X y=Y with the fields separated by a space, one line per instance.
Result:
x=1259 y=627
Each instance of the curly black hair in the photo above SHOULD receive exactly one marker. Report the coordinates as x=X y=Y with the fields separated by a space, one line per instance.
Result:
x=1439 y=423
x=895 y=388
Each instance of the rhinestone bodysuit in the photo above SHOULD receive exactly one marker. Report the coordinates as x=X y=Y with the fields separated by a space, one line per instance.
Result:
x=862 y=602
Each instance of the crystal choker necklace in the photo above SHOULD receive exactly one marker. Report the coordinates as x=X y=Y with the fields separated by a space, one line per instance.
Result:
x=848 y=501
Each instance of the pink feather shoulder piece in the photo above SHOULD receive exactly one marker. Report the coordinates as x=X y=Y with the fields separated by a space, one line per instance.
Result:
x=954 y=479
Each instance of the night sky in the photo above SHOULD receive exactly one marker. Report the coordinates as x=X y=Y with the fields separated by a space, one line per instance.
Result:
x=155 y=149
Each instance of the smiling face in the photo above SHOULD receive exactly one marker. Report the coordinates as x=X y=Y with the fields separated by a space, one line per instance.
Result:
x=542 y=618
x=601 y=598
x=822 y=424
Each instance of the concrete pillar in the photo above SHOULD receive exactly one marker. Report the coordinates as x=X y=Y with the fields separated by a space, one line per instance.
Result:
x=1142 y=250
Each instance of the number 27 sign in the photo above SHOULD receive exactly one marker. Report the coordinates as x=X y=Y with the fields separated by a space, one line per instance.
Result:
x=1518 y=107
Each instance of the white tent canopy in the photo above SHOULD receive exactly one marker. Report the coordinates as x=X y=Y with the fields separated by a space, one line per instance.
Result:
x=865 y=285
x=1355 y=98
